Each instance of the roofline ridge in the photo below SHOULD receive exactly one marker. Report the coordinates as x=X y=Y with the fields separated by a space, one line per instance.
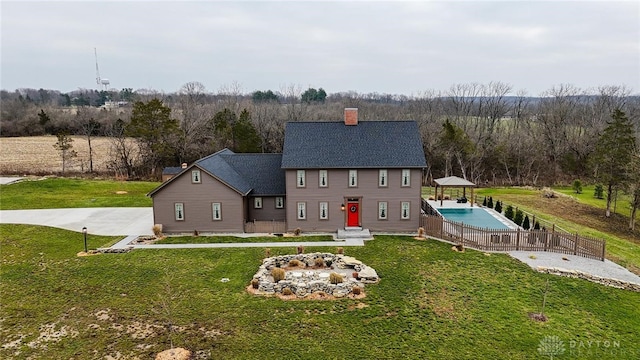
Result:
x=214 y=154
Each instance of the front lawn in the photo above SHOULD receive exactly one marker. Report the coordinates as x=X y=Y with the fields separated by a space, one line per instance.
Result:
x=431 y=303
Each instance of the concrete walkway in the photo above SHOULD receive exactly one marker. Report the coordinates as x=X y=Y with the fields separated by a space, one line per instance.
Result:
x=125 y=244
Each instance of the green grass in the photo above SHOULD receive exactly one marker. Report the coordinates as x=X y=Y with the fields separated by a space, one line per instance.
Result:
x=622 y=246
x=431 y=303
x=623 y=206
x=74 y=193
x=236 y=239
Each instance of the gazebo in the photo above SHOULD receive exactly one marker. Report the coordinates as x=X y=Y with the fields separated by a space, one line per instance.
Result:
x=453 y=181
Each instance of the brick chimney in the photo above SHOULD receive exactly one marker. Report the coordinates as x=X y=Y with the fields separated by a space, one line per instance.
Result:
x=351 y=116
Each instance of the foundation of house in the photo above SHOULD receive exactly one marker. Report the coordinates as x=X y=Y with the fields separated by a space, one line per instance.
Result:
x=354 y=233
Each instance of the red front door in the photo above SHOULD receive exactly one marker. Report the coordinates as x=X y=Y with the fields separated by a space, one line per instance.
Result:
x=353 y=214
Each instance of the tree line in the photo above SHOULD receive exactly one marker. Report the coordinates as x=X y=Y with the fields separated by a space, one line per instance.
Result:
x=476 y=131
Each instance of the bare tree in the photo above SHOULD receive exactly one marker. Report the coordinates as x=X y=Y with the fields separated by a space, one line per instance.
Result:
x=193 y=115
x=64 y=146
x=123 y=152
x=296 y=109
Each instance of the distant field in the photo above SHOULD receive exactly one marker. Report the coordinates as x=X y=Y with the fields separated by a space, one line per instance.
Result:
x=36 y=155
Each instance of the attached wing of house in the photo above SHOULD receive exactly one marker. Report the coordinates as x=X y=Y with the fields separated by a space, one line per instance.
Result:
x=219 y=193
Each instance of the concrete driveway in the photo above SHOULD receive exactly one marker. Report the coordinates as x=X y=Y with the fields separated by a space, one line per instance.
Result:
x=99 y=221
x=4 y=180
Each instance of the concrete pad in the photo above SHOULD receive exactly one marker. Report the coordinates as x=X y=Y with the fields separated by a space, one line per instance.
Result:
x=604 y=269
x=99 y=221
x=9 y=180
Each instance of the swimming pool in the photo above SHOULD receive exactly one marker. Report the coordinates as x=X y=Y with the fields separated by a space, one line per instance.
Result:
x=475 y=217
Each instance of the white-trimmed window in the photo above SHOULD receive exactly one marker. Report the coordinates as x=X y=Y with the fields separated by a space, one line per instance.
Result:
x=405 y=210
x=324 y=211
x=279 y=202
x=300 y=178
x=406 y=177
x=382 y=210
x=257 y=203
x=216 y=211
x=301 y=212
x=382 y=178
x=179 y=211
x=323 y=180
x=195 y=177
x=353 y=178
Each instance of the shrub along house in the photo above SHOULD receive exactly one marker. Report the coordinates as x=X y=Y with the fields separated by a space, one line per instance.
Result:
x=330 y=176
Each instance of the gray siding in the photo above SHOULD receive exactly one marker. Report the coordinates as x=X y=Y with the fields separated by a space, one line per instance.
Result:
x=268 y=211
x=197 y=200
x=367 y=190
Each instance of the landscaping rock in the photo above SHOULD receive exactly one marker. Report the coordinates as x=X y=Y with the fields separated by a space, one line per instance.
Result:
x=368 y=275
x=174 y=354
x=310 y=279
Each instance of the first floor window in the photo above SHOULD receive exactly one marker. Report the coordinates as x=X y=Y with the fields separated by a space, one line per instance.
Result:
x=179 y=209
x=353 y=178
x=382 y=210
x=300 y=178
x=195 y=177
x=405 y=208
x=302 y=211
x=406 y=177
x=257 y=203
x=279 y=202
x=217 y=211
x=324 y=210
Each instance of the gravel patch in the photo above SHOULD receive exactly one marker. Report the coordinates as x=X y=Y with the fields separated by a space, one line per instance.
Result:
x=603 y=269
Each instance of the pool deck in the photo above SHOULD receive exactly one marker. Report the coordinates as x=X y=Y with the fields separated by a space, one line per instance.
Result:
x=453 y=204
x=449 y=204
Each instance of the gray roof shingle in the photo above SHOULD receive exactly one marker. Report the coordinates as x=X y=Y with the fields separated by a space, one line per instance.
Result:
x=216 y=165
x=171 y=170
x=370 y=144
x=259 y=174
x=261 y=171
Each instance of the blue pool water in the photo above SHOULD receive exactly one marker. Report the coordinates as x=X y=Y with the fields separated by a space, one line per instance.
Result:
x=474 y=217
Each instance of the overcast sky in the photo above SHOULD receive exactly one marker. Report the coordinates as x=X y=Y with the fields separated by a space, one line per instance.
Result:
x=385 y=47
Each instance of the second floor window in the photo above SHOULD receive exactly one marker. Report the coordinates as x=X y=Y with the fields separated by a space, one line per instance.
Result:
x=353 y=178
x=322 y=178
x=195 y=177
x=406 y=177
x=279 y=202
x=382 y=178
x=257 y=203
x=300 y=178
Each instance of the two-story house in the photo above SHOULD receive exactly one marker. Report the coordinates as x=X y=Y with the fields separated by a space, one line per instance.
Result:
x=330 y=176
